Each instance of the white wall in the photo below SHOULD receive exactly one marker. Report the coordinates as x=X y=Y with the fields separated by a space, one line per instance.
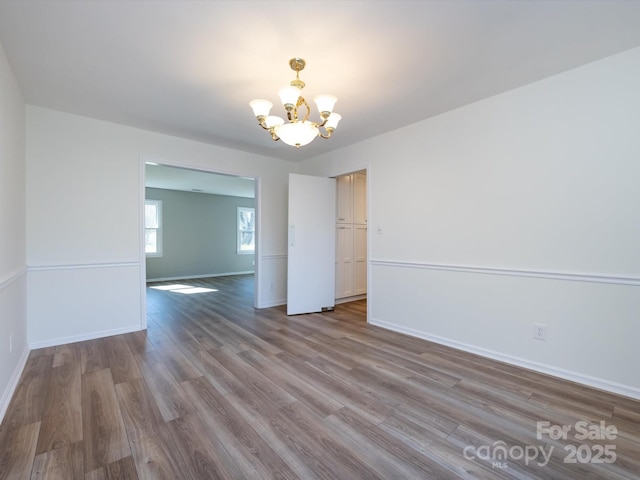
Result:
x=84 y=194
x=13 y=323
x=521 y=208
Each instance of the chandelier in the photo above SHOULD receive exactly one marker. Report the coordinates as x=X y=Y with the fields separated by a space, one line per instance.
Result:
x=297 y=131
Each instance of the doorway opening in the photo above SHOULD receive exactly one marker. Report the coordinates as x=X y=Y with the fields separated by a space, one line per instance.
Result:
x=351 y=237
x=197 y=225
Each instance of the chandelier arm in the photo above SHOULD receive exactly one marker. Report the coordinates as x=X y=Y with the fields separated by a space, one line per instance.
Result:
x=302 y=101
x=328 y=130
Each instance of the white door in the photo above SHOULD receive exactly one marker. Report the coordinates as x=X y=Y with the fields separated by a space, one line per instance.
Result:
x=360 y=259
x=344 y=260
x=312 y=243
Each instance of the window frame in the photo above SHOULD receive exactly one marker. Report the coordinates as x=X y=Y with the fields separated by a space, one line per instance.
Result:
x=239 y=231
x=158 y=229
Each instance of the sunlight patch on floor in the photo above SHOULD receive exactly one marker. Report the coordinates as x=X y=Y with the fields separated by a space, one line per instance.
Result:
x=184 y=289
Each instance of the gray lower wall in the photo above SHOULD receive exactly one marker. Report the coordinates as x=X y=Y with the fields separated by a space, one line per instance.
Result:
x=199 y=235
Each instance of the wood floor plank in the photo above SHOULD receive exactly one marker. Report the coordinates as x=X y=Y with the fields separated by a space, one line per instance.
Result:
x=61 y=464
x=62 y=417
x=176 y=362
x=18 y=451
x=217 y=389
x=217 y=329
x=138 y=342
x=156 y=457
x=140 y=413
x=389 y=444
x=303 y=391
x=223 y=417
x=104 y=436
x=344 y=392
x=121 y=361
x=307 y=450
x=201 y=337
x=407 y=364
x=343 y=458
x=123 y=469
x=93 y=356
x=27 y=404
x=40 y=352
x=97 y=474
x=568 y=404
x=202 y=452
x=323 y=344
x=67 y=354
x=232 y=335
x=279 y=442
x=287 y=342
x=262 y=387
x=166 y=391
x=379 y=459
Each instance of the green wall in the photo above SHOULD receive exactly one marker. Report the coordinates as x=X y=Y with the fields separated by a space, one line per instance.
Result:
x=199 y=235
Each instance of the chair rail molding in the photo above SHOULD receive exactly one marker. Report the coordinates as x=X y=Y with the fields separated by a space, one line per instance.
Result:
x=12 y=277
x=551 y=275
x=81 y=266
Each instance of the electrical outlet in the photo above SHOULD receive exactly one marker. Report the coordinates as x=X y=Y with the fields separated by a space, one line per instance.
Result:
x=539 y=331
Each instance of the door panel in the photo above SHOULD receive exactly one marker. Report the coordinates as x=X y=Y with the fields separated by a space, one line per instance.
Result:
x=344 y=210
x=344 y=260
x=360 y=255
x=359 y=198
x=312 y=244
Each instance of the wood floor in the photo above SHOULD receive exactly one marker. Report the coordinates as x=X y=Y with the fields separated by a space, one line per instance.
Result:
x=216 y=389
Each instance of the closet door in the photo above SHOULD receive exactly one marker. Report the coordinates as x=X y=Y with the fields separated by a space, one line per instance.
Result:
x=359 y=198
x=344 y=203
x=344 y=261
x=360 y=257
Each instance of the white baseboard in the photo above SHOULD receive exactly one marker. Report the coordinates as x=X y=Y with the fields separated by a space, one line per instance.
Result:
x=190 y=277
x=602 y=384
x=85 y=336
x=7 y=395
x=350 y=299
x=273 y=303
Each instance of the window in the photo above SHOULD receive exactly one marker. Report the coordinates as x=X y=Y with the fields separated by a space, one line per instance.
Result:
x=153 y=228
x=246 y=229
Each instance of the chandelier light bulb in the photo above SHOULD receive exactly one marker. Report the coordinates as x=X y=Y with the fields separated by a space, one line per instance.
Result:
x=325 y=103
x=289 y=96
x=332 y=121
x=273 y=121
x=261 y=108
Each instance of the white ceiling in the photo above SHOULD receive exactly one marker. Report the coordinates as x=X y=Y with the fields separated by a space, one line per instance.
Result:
x=189 y=68
x=174 y=178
